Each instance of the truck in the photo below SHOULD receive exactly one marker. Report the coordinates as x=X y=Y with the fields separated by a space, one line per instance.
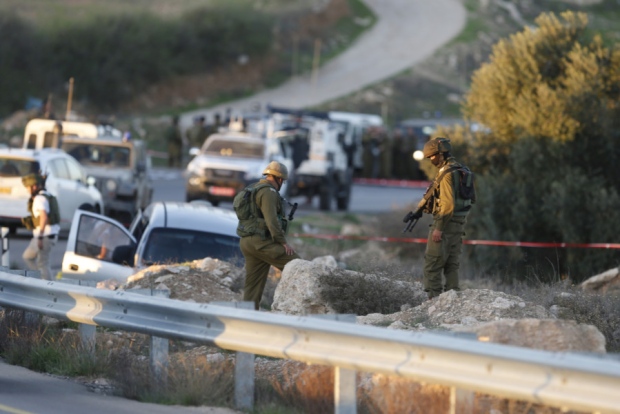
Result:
x=320 y=157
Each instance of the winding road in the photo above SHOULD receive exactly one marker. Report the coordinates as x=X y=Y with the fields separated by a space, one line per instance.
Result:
x=407 y=32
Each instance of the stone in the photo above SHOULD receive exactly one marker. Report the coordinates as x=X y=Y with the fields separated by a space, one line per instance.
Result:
x=606 y=282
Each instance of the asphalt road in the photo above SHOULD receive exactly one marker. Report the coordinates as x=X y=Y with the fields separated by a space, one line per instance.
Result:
x=169 y=185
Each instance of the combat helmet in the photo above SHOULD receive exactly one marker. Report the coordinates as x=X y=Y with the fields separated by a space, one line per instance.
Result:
x=33 y=179
x=435 y=146
x=276 y=169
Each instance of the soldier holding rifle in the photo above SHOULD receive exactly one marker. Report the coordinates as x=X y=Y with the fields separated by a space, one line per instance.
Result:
x=448 y=199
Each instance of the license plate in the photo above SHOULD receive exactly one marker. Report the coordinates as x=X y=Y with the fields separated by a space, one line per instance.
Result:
x=223 y=173
x=5 y=190
x=222 y=191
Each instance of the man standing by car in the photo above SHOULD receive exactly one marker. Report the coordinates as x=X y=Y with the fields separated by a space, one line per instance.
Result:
x=262 y=228
x=45 y=219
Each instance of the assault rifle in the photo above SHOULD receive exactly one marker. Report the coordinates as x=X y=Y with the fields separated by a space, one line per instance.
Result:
x=425 y=204
x=293 y=209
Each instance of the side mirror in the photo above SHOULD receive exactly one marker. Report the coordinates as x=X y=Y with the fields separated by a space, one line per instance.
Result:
x=194 y=151
x=124 y=255
x=90 y=180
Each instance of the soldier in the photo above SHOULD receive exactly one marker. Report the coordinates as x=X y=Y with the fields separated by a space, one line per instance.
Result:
x=263 y=242
x=197 y=134
x=44 y=219
x=175 y=143
x=449 y=211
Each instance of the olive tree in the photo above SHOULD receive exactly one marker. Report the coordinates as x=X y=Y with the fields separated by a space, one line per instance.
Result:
x=547 y=159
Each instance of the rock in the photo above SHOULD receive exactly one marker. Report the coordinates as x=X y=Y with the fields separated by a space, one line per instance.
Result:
x=606 y=282
x=322 y=287
x=544 y=334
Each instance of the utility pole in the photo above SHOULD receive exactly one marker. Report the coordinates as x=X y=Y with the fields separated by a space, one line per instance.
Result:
x=69 y=99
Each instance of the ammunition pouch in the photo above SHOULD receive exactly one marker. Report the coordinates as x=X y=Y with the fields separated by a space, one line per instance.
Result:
x=28 y=223
x=429 y=207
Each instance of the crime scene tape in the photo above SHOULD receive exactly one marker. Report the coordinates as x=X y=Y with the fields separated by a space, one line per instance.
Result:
x=472 y=242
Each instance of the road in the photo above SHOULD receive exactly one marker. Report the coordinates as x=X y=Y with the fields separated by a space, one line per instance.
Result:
x=169 y=185
x=406 y=33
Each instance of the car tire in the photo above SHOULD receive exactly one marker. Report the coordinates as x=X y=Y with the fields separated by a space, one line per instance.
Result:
x=215 y=203
x=326 y=194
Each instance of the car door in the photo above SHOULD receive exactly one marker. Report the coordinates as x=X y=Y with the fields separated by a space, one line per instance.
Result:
x=92 y=241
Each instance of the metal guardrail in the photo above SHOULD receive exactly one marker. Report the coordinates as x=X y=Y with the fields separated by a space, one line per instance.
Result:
x=569 y=381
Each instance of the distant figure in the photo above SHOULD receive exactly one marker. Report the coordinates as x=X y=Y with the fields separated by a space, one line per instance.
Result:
x=175 y=143
x=197 y=134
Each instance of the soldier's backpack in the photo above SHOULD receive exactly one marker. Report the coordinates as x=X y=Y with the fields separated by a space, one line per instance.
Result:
x=465 y=190
x=54 y=215
x=244 y=202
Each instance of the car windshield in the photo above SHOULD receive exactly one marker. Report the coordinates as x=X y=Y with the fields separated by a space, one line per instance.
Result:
x=166 y=245
x=229 y=148
x=93 y=154
x=11 y=167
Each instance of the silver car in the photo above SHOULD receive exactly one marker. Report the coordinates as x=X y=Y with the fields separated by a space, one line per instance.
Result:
x=100 y=248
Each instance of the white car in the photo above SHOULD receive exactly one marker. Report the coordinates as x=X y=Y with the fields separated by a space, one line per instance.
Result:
x=66 y=180
x=229 y=162
x=100 y=248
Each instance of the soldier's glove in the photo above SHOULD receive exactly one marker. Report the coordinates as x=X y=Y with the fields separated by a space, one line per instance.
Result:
x=28 y=223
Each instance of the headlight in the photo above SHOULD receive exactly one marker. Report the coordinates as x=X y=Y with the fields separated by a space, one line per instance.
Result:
x=110 y=185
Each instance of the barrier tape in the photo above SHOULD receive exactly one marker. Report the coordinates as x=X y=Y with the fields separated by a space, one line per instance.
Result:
x=472 y=242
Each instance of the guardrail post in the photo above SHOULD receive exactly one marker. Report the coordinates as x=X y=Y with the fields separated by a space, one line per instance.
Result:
x=88 y=333
x=4 y=232
x=345 y=381
x=159 y=348
x=461 y=401
x=244 y=367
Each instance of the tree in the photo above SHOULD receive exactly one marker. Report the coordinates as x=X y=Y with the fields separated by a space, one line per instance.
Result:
x=547 y=164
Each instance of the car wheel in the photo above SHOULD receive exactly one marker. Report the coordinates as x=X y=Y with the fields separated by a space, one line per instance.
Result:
x=215 y=203
x=88 y=207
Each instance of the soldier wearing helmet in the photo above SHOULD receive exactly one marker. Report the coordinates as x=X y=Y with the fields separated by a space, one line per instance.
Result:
x=43 y=221
x=263 y=237
x=445 y=238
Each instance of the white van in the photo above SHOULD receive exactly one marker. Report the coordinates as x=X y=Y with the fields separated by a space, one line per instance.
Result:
x=48 y=133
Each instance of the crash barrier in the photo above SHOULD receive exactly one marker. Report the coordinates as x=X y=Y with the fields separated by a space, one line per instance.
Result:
x=565 y=380
x=472 y=242
x=4 y=239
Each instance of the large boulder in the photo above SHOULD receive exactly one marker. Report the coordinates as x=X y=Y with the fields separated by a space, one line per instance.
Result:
x=320 y=287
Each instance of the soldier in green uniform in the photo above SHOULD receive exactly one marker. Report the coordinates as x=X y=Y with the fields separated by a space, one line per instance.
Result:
x=449 y=209
x=263 y=242
x=175 y=143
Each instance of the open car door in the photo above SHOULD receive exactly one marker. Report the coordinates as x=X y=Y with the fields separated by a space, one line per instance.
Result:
x=98 y=248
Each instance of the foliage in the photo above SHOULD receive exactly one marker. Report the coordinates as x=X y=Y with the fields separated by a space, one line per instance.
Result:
x=546 y=164
x=115 y=56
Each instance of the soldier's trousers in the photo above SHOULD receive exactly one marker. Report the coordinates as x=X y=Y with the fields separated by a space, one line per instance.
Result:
x=443 y=258
x=259 y=256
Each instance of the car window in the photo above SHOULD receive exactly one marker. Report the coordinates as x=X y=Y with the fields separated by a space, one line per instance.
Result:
x=58 y=168
x=75 y=171
x=98 y=238
x=166 y=245
x=10 y=167
x=229 y=148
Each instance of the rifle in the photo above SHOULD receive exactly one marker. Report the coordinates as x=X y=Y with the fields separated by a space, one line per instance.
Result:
x=413 y=216
x=293 y=209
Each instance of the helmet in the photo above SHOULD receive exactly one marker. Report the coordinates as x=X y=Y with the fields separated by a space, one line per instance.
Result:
x=276 y=169
x=435 y=146
x=33 y=179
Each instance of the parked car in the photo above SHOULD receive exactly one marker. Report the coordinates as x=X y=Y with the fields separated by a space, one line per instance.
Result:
x=100 y=248
x=66 y=179
x=230 y=161
x=121 y=170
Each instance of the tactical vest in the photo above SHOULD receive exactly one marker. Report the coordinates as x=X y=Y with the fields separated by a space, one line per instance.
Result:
x=53 y=216
x=251 y=220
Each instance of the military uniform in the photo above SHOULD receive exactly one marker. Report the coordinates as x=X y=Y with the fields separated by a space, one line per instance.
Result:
x=265 y=247
x=449 y=217
x=175 y=144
